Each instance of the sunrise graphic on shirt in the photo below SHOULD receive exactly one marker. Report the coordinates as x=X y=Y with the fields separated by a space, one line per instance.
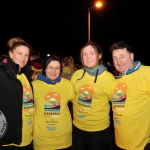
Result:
x=52 y=105
x=28 y=103
x=85 y=97
x=120 y=93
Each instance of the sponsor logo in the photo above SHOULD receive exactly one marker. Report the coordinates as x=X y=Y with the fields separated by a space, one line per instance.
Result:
x=3 y=125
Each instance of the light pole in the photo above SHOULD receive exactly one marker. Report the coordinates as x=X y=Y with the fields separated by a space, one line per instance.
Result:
x=97 y=5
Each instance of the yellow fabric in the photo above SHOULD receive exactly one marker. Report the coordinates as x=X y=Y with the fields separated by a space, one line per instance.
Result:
x=67 y=70
x=91 y=104
x=67 y=73
x=27 y=112
x=131 y=108
x=52 y=119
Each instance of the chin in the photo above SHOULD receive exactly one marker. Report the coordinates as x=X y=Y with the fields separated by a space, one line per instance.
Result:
x=89 y=66
x=53 y=79
x=22 y=66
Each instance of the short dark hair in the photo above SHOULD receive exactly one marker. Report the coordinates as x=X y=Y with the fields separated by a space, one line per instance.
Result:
x=47 y=60
x=35 y=54
x=121 y=45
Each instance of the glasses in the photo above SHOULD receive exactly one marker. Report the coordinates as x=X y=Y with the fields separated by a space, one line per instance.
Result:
x=57 y=69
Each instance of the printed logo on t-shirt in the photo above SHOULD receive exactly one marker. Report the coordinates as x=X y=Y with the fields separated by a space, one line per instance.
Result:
x=28 y=103
x=119 y=96
x=3 y=125
x=119 y=99
x=52 y=105
x=52 y=110
x=85 y=96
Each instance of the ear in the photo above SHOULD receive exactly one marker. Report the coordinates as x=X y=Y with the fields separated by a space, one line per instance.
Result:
x=100 y=56
x=132 y=56
x=10 y=54
x=81 y=58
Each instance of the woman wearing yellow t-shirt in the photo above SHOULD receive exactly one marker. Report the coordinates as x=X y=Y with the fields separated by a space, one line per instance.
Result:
x=52 y=119
x=91 y=108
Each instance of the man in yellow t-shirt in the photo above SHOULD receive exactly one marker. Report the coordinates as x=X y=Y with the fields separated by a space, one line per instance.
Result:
x=131 y=99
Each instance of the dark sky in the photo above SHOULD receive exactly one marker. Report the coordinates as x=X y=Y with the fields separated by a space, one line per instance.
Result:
x=60 y=27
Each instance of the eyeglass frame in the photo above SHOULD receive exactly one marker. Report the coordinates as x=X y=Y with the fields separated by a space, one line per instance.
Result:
x=52 y=68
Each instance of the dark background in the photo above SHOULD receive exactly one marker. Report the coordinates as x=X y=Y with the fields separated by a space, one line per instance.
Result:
x=61 y=27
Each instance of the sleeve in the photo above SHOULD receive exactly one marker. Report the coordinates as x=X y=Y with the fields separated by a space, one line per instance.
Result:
x=148 y=79
x=72 y=92
x=109 y=89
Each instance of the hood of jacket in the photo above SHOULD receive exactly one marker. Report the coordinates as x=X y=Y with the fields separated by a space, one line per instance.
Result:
x=47 y=80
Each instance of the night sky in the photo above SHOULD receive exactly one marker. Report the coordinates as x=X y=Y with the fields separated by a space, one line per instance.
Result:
x=61 y=27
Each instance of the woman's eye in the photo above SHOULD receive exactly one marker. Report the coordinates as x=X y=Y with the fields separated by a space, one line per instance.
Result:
x=27 y=55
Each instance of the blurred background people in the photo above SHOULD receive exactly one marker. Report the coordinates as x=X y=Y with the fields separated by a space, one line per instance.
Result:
x=131 y=99
x=67 y=67
x=52 y=118
x=67 y=72
x=3 y=57
x=77 y=67
x=35 y=63
x=91 y=108
x=16 y=99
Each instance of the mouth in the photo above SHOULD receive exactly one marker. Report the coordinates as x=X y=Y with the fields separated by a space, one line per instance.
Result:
x=89 y=61
x=121 y=65
x=52 y=74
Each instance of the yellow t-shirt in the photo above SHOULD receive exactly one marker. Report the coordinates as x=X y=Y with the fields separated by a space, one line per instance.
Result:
x=91 y=104
x=52 y=118
x=67 y=73
x=131 y=109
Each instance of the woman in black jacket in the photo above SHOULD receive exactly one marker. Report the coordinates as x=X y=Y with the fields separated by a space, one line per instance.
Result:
x=16 y=99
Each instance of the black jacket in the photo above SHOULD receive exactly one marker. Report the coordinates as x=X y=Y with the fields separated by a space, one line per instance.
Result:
x=11 y=97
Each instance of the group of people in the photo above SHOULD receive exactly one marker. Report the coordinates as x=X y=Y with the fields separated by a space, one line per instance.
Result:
x=34 y=112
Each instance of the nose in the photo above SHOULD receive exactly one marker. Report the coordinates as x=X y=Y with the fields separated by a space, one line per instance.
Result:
x=87 y=56
x=118 y=60
x=53 y=69
x=24 y=57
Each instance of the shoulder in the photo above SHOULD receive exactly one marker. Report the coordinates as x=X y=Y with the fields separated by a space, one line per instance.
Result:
x=66 y=81
x=78 y=72
x=36 y=82
x=3 y=67
x=66 y=84
x=144 y=70
x=143 y=67
x=109 y=74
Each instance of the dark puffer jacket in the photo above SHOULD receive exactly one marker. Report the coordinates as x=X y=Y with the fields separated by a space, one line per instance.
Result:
x=11 y=95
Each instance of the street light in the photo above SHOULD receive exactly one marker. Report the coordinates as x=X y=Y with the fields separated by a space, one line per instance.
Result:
x=97 y=5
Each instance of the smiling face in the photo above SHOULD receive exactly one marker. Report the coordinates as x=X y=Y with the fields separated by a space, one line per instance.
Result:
x=122 y=60
x=90 y=57
x=53 y=70
x=20 y=55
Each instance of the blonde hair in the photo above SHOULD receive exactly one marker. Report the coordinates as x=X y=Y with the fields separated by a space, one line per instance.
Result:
x=68 y=62
x=12 y=40
x=15 y=42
